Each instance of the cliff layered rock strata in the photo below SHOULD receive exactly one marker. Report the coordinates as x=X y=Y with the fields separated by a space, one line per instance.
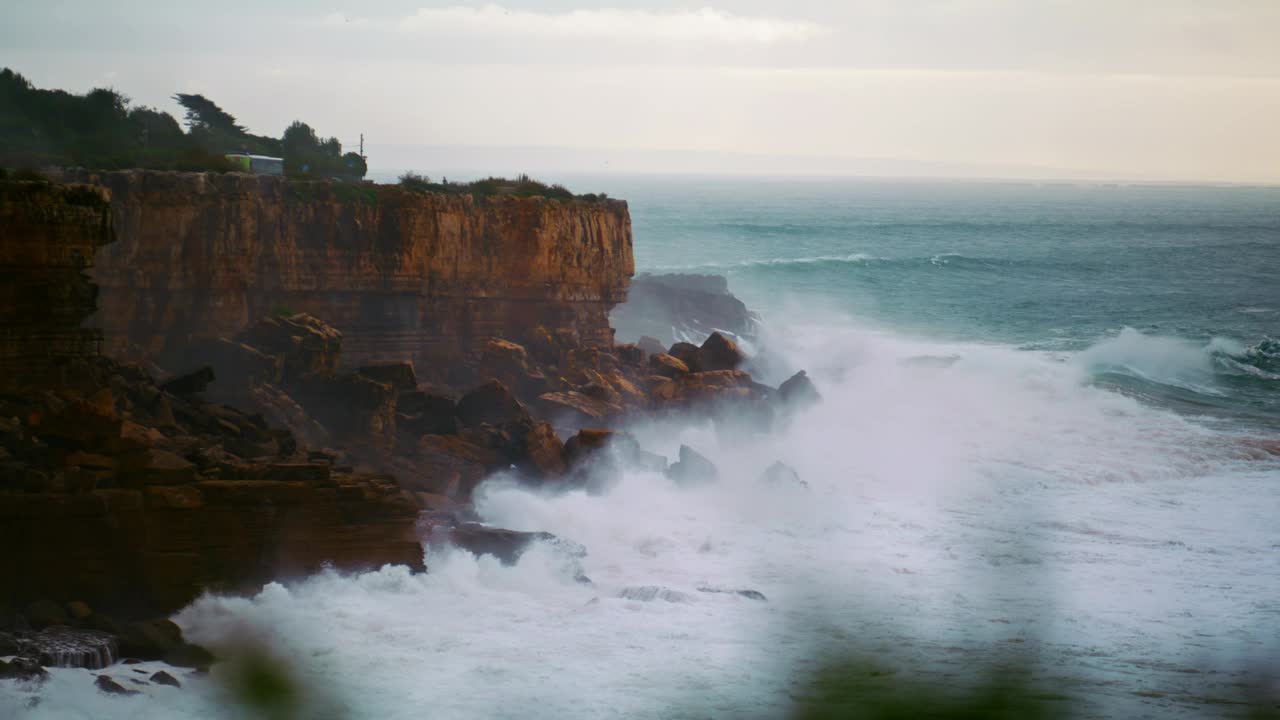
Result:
x=48 y=237
x=403 y=276
x=135 y=497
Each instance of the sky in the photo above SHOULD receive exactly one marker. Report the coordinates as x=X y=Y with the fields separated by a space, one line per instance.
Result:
x=1110 y=89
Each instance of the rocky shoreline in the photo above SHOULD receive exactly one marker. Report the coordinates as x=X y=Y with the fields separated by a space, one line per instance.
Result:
x=220 y=461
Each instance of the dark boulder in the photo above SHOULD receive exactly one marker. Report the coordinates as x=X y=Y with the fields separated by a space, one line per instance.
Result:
x=421 y=413
x=667 y=365
x=505 y=545
x=164 y=678
x=191 y=383
x=22 y=668
x=780 y=473
x=799 y=392
x=719 y=353
x=686 y=353
x=490 y=403
x=149 y=639
x=109 y=686
x=692 y=468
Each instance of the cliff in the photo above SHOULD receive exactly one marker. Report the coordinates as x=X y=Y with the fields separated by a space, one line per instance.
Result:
x=402 y=275
x=136 y=497
x=48 y=237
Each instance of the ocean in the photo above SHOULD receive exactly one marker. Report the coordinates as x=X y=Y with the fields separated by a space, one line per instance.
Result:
x=1050 y=435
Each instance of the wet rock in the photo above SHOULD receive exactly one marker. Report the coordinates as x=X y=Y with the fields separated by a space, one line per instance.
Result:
x=719 y=353
x=149 y=639
x=490 y=403
x=9 y=645
x=660 y=305
x=191 y=383
x=667 y=365
x=686 y=353
x=799 y=392
x=505 y=545
x=748 y=594
x=649 y=593
x=692 y=468
x=780 y=473
x=105 y=684
x=164 y=678
x=190 y=655
x=66 y=647
x=22 y=668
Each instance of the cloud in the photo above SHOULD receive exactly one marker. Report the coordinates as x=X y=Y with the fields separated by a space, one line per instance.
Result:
x=689 y=26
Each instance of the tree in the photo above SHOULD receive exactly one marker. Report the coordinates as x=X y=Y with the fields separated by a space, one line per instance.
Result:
x=205 y=113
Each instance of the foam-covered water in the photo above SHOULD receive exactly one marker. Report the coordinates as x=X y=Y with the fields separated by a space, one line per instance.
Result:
x=1097 y=498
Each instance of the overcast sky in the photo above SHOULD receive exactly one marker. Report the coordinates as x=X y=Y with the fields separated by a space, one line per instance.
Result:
x=1144 y=89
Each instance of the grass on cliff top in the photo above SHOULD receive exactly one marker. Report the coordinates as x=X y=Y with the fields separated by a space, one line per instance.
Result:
x=521 y=186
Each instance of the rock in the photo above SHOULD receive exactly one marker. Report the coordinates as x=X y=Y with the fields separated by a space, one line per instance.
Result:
x=9 y=645
x=78 y=611
x=421 y=277
x=189 y=655
x=649 y=593
x=65 y=647
x=422 y=413
x=686 y=353
x=651 y=345
x=450 y=465
x=780 y=473
x=798 y=391
x=660 y=305
x=105 y=684
x=44 y=613
x=164 y=678
x=719 y=353
x=24 y=669
x=538 y=449
x=667 y=365
x=629 y=354
x=149 y=640
x=191 y=383
x=748 y=594
x=306 y=344
x=399 y=376
x=490 y=403
x=505 y=545
x=576 y=408
x=692 y=468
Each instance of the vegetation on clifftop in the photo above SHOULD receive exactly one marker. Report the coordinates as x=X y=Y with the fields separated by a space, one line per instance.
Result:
x=102 y=130
x=521 y=186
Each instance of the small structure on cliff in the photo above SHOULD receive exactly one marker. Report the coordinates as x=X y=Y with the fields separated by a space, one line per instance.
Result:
x=257 y=164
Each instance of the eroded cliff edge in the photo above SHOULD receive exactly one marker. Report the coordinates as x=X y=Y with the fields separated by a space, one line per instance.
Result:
x=403 y=275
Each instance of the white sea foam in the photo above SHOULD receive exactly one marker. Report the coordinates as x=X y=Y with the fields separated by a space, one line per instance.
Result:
x=995 y=500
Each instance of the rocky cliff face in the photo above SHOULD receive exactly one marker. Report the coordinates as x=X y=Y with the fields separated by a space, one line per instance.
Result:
x=48 y=237
x=401 y=275
x=136 y=497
